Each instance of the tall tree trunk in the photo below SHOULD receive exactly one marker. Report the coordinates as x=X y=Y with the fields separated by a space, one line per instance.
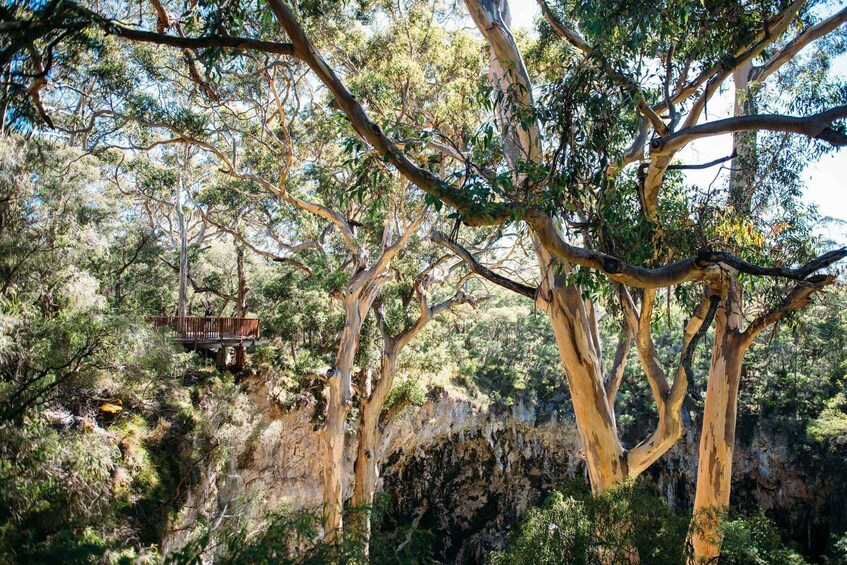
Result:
x=5 y=108
x=717 y=440
x=183 y=253
x=367 y=453
x=241 y=293
x=572 y=324
x=373 y=401
x=240 y=304
x=366 y=469
x=339 y=401
x=604 y=454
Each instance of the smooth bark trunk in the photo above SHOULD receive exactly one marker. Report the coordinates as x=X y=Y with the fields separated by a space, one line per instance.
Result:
x=604 y=454
x=182 y=309
x=338 y=404
x=367 y=459
x=372 y=419
x=572 y=327
x=367 y=453
x=717 y=440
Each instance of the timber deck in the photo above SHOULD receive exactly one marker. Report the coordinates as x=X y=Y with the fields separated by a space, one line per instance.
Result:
x=214 y=331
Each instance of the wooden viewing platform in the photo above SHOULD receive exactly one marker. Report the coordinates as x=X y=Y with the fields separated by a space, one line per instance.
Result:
x=202 y=330
x=215 y=332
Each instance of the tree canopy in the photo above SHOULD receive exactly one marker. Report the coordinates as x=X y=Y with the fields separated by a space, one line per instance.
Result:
x=402 y=157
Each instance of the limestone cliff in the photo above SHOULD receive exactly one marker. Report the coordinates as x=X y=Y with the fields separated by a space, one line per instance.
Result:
x=466 y=472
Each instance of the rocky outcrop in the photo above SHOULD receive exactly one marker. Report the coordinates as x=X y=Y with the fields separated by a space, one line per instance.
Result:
x=476 y=470
x=466 y=472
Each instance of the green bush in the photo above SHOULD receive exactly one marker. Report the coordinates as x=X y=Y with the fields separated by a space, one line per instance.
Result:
x=574 y=527
x=754 y=540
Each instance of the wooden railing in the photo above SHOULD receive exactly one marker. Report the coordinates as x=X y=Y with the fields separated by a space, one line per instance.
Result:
x=198 y=328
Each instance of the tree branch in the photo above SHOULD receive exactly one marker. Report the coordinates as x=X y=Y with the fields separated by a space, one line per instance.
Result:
x=201 y=289
x=194 y=43
x=615 y=375
x=669 y=401
x=704 y=165
x=267 y=254
x=480 y=270
x=818 y=126
x=713 y=78
x=493 y=214
x=686 y=270
x=798 y=298
x=797 y=44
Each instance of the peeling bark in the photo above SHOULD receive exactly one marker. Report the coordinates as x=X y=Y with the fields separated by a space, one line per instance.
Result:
x=339 y=401
x=717 y=439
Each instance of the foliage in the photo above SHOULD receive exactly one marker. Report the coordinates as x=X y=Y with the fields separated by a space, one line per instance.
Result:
x=830 y=427
x=283 y=537
x=754 y=540
x=574 y=527
x=290 y=537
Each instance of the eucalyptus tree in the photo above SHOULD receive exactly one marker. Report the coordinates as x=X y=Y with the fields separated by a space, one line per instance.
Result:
x=763 y=181
x=161 y=185
x=585 y=162
x=243 y=122
x=397 y=327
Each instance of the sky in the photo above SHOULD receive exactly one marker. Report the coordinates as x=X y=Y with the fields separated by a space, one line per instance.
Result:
x=826 y=185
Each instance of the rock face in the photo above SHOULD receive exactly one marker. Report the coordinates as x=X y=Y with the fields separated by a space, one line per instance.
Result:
x=466 y=472
x=280 y=466
x=475 y=471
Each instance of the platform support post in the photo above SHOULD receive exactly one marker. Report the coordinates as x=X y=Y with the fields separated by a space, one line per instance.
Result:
x=222 y=359
x=240 y=356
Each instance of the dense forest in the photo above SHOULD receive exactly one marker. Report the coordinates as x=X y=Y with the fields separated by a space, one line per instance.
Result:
x=394 y=281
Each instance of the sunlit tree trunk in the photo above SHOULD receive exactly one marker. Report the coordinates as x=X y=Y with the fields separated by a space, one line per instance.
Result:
x=571 y=317
x=339 y=401
x=717 y=440
x=604 y=454
x=358 y=297
x=575 y=334
x=182 y=297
